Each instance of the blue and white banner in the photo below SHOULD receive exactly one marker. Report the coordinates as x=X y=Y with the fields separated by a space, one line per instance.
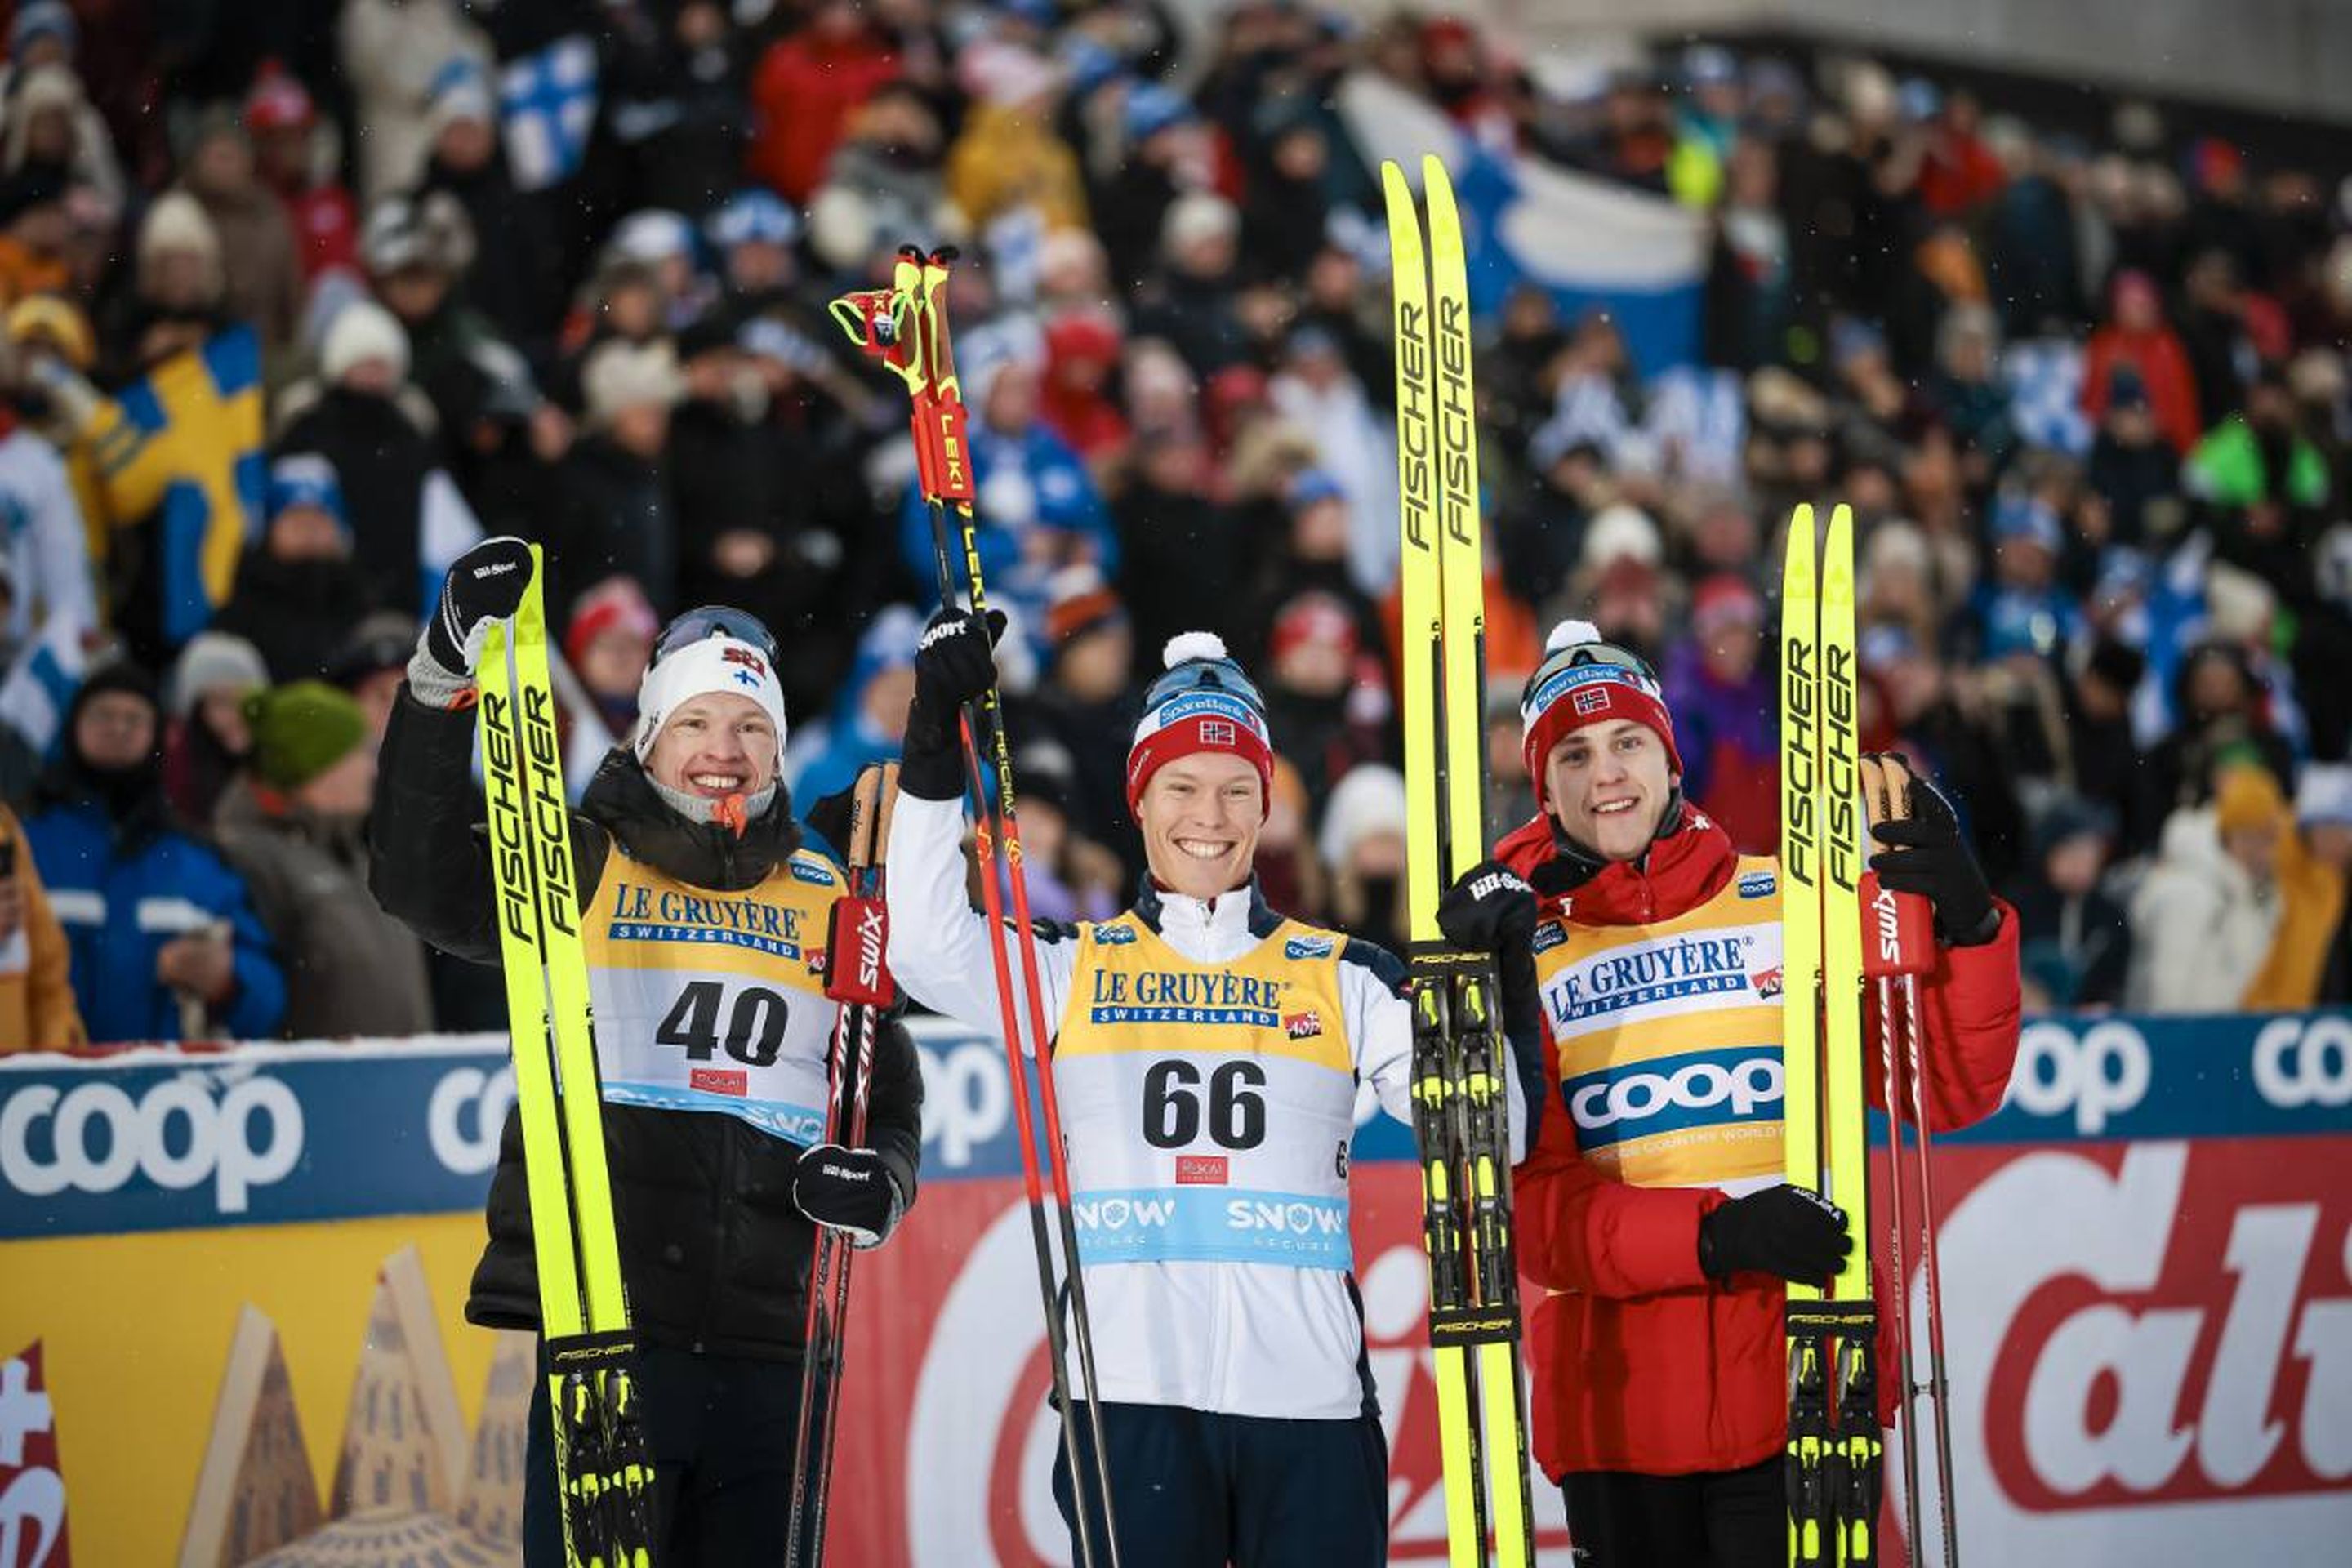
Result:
x=1593 y=244
x=159 y=1138
x=547 y=105
x=262 y=1134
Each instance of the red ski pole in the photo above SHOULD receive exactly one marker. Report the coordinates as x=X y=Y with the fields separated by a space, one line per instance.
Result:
x=1899 y=947
x=906 y=327
x=857 y=978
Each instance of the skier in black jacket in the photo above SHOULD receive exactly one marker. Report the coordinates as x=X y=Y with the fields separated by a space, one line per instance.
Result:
x=705 y=913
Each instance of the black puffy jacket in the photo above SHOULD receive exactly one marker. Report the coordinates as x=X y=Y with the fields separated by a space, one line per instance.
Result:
x=715 y=1257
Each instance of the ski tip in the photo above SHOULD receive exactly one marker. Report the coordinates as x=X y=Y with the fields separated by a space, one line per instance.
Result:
x=1186 y=646
x=1837 y=546
x=1803 y=541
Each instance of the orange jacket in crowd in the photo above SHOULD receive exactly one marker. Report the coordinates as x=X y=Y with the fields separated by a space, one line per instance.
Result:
x=37 y=998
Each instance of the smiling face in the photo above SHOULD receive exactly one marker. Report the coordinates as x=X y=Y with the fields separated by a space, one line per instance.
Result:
x=1201 y=815
x=716 y=745
x=1608 y=786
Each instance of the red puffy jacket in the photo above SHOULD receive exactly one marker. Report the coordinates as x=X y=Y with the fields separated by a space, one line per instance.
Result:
x=1642 y=1363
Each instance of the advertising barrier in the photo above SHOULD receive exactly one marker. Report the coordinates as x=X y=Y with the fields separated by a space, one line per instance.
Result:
x=230 y=1292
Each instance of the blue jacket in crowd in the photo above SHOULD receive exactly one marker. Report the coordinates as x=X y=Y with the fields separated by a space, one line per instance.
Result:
x=122 y=891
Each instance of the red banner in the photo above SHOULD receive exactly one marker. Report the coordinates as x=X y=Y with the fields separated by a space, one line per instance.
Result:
x=32 y=1490
x=2129 y=1325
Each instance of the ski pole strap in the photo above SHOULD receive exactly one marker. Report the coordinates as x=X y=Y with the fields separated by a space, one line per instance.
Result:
x=1899 y=934
x=857 y=938
x=878 y=321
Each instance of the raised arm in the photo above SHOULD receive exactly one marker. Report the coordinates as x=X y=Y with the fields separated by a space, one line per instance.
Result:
x=428 y=860
x=939 y=946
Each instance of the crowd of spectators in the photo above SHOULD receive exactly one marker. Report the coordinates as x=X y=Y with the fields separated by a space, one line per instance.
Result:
x=299 y=300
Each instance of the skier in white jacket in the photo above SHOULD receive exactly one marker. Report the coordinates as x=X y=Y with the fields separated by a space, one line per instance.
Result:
x=1207 y=1056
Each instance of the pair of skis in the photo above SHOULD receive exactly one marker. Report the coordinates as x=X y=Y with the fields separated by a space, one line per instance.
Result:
x=1830 y=797
x=856 y=976
x=604 y=1476
x=905 y=327
x=1459 y=1102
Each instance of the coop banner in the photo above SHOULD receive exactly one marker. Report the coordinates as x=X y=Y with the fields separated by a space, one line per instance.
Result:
x=230 y=1323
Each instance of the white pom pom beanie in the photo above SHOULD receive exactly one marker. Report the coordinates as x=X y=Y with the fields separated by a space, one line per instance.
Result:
x=1584 y=680
x=1204 y=703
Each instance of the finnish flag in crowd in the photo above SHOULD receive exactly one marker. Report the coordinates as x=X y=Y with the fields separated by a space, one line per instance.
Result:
x=1591 y=244
x=41 y=689
x=547 y=105
x=2045 y=392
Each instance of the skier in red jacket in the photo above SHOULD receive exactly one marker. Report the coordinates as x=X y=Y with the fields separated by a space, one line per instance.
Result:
x=1651 y=1208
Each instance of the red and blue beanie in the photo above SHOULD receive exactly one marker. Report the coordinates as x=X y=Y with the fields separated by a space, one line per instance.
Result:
x=1586 y=681
x=1204 y=703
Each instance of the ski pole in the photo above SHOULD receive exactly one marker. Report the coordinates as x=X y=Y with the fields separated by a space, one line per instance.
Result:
x=1903 y=921
x=1897 y=947
x=905 y=327
x=1939 y=1386
x=857 y=978
x=946 y=416
x=895 y=322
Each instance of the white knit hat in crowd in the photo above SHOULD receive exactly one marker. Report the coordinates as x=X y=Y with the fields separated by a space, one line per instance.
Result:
x=213 y=660
x=622 y=375
x=698 y=669
x=363 y=330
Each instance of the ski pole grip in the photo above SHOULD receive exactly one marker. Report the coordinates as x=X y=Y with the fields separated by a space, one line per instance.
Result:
x=1898 y=929
x=856 y=949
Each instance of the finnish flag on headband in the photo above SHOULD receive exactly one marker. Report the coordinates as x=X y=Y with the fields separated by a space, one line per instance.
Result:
x=547 y=107
x=1589 y=243
x=40 y=688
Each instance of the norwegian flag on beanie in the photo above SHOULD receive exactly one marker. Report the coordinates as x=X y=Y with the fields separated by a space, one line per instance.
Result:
x=1206 y=717
x=1564 y=697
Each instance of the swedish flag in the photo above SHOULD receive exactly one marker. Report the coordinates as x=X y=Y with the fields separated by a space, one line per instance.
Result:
x=181 y=448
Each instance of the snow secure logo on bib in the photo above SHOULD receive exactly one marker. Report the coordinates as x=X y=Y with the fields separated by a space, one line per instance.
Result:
x=815 y=875
x=1756 y=884
x=1308 y=947
x=1115 y=935
x=1548 y=935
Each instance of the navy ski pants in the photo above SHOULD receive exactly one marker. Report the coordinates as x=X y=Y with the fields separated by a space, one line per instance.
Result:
x=1193 y=1490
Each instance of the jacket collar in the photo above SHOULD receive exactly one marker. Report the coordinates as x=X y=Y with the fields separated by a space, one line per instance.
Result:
x=707 y=854
x=1243 y=910
x=1687 y=863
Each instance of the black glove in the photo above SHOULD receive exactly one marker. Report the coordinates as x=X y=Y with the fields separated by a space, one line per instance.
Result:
x=1930 y=856
x=954 y=663
x=486 y=583
x=1489 y=908
x=1792 y=1232
x=847 y=1190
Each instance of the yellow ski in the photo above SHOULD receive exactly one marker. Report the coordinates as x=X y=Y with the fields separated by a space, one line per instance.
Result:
x=1834 y=1447
x=602 y=1472
x=1460 y=1119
